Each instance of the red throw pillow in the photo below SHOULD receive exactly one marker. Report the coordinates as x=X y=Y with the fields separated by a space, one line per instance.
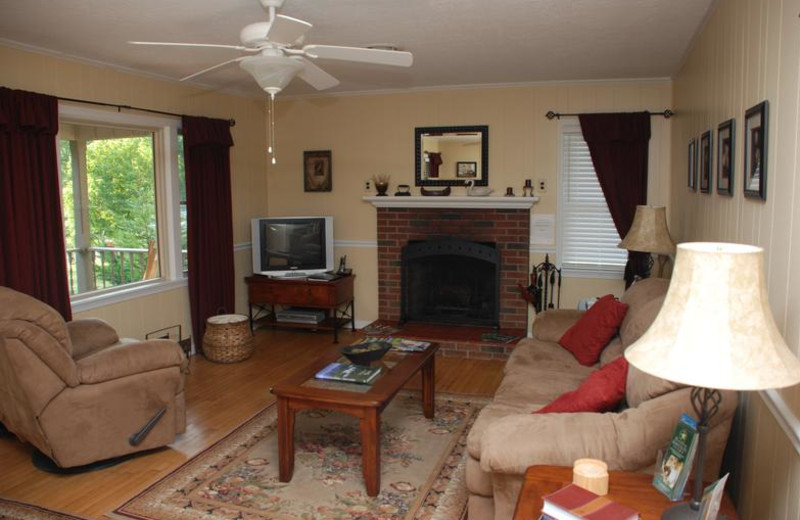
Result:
x=590 y=334
x=602 y=391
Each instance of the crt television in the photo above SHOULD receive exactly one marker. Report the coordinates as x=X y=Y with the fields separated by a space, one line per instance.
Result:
x=292 y=246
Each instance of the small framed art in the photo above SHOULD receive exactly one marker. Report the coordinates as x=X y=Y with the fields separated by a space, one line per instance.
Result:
x=705 y=162
x=725 y=144
x=692 y=166
x=755 y=151
x=466 y=169
x=317 y=175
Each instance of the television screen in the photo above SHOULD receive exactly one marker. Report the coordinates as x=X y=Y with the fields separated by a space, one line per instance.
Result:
x=292 y=245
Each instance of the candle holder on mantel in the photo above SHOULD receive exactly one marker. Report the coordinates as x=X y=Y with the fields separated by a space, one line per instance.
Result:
x=510 y=192
x=381 y=184
x=527 y=190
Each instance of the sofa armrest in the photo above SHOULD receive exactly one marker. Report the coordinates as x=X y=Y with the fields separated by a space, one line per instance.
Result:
x=126 y=359
x=90 y=334
x=628 y=441
x=551 y=325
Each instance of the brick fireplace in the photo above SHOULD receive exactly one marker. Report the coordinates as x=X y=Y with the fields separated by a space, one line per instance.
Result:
x=506 y=228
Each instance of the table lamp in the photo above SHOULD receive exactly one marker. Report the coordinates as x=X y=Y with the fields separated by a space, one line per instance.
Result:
x=714 y=332
x=649 y=234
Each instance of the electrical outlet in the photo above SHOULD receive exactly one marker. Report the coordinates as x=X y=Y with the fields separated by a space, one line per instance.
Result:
x=542 y=185
x=367 y=186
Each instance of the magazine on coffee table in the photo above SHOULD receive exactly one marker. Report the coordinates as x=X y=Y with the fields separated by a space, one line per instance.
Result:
x=402 y=344
x=349 y=373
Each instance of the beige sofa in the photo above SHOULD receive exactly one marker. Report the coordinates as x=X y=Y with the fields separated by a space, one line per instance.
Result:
x=506 y=438
x=79 y=393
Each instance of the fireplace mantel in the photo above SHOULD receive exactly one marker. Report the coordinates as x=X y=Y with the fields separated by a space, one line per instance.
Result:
x=453 y=202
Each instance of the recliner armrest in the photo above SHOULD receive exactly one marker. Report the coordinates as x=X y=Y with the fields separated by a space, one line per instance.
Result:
x=126 y=359
x=552 y=324
x=90 y=334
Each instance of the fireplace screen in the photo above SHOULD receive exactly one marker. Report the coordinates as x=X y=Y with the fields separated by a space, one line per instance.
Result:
x=451 y=281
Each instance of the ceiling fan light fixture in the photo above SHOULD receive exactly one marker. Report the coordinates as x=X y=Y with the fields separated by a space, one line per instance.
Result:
x=272 y=73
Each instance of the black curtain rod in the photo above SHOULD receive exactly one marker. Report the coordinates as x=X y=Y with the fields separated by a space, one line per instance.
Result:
x=666 y=114
x=128 y=107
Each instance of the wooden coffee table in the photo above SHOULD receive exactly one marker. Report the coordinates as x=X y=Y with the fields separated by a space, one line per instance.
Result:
x=301 y=391
x=634 y=490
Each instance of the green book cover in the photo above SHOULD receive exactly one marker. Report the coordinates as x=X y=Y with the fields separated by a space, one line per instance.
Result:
x=349 y=373
x=675 y=464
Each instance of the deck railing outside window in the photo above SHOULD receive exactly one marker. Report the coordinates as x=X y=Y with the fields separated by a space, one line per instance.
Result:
x=95 y=268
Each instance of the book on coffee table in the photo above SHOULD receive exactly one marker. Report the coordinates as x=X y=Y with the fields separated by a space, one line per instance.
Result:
x=575 y=503
x=349 y=373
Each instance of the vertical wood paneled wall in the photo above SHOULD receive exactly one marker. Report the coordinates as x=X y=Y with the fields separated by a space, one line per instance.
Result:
x=749 y=51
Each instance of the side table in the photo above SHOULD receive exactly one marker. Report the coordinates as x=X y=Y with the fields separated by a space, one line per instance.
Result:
x=632 y=489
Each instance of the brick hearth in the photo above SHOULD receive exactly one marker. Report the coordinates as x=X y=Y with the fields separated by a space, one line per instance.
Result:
x=509 y=229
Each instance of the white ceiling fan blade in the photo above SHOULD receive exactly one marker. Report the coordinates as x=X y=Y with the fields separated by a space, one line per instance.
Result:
x=286 y=30
x=178 y=44
x=379 y=56
x=315 y=76
x=218 y=65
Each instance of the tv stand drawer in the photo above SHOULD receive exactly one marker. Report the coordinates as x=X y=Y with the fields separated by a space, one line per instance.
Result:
x=261 y=289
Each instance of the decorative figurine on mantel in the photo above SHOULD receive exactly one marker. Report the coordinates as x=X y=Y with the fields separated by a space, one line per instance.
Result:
x=381 y=184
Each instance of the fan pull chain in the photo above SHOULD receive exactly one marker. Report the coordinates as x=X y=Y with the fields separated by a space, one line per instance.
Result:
x=271 y=131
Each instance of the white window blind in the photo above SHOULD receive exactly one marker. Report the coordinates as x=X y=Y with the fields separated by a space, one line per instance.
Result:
x=587 y=236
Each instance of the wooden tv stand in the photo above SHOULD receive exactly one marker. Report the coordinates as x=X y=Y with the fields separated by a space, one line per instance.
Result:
x=335 y=297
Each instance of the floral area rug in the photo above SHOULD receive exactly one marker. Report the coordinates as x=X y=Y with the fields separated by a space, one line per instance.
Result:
x=422 y=469
x=15 y=510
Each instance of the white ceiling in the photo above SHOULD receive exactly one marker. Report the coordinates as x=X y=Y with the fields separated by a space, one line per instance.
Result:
x=454 y=42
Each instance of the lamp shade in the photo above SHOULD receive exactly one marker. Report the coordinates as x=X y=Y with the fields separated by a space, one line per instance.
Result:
x=649 y=233
x=715 y=328
x=272 y=73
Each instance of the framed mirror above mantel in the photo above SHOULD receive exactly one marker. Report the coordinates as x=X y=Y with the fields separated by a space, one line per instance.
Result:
x=451 y=155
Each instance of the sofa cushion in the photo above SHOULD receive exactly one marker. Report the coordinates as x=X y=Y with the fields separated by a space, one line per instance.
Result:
x=612 y=351
x=529 y=390
x=645 y=290
x=533 y=354
x=551 y=324
x=638 y=320
x=587 y=338
x=602 y=391
x=641 y=387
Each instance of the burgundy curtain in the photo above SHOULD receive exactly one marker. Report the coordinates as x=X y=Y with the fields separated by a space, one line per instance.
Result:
x=32 y=257
x=206 y=144
x=619 y=144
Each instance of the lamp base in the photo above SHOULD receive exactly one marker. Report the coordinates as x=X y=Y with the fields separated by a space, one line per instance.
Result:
x=682 y=511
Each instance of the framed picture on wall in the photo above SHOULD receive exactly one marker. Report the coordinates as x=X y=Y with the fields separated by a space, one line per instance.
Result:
x=705 y=162
x=692 y=167
x=755 y=151
x=725 y=144
x=317 y=175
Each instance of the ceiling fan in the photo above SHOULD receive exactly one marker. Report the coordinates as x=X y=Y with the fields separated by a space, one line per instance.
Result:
x=279 y=53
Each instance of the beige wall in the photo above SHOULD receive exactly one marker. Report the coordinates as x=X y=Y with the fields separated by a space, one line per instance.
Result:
x=47 y=75
x=749 y=51
x=371 y=134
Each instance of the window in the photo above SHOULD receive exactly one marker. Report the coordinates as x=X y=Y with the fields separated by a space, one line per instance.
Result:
x=123 y=203
x=587 y=236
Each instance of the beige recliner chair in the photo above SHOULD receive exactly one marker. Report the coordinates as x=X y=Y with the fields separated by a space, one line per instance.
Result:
x=80 y=394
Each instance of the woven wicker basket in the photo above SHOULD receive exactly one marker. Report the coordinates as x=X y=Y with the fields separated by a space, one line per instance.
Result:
x=228 y=338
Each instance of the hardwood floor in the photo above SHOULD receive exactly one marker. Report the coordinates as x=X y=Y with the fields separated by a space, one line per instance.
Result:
x=219 y=398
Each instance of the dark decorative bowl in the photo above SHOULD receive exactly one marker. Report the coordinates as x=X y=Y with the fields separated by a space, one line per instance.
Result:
x=365 y=353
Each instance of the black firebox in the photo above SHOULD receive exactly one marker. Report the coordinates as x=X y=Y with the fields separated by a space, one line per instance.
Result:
x=452 y=282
